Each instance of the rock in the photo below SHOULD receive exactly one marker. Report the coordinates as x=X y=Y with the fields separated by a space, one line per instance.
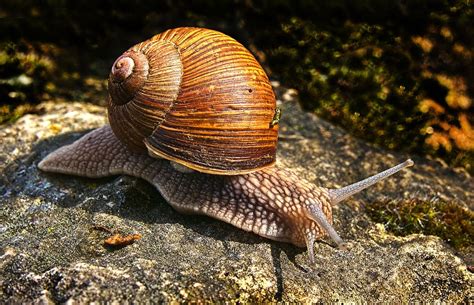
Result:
x=53 y=226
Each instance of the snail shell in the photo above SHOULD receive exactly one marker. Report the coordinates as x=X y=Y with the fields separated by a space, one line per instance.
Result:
x=196 y=97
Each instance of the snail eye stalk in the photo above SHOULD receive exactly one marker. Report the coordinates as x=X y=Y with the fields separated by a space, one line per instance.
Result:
x=338 y=195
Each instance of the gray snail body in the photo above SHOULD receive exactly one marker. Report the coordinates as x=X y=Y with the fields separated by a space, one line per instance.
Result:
x=251 y=194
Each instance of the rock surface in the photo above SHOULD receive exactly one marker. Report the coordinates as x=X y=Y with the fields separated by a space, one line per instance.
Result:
x=52 y=228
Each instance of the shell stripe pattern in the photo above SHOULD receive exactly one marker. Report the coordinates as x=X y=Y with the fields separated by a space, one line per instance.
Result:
x=219 y=120
x=160 y=75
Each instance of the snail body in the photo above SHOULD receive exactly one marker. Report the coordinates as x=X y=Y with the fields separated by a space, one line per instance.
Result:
x=209 y=147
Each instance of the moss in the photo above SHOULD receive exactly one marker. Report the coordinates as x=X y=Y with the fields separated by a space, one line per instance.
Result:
x=375 y=78
x=23 y=79
x=449 y=221
x=395 y=73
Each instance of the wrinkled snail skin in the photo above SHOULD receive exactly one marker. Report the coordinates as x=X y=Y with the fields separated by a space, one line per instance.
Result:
x=192 y=112
x=270 y=202
x=273 y=202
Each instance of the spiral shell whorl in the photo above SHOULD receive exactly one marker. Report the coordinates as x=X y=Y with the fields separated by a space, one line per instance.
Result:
x=122 y=69
x=128 y=75
x=143 y=84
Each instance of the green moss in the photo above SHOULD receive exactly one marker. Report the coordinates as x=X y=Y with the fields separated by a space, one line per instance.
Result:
x=11 y=113
x=399 y=80
x=24 y=77
x=395 y=73
x=449 y=221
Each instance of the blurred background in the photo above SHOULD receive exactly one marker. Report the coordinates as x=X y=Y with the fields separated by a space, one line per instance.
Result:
x=395 y=73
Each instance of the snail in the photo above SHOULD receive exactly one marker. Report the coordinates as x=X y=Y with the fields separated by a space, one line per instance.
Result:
x=192 y=112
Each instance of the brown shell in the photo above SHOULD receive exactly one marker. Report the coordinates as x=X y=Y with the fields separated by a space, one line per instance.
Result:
x=200 y=99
